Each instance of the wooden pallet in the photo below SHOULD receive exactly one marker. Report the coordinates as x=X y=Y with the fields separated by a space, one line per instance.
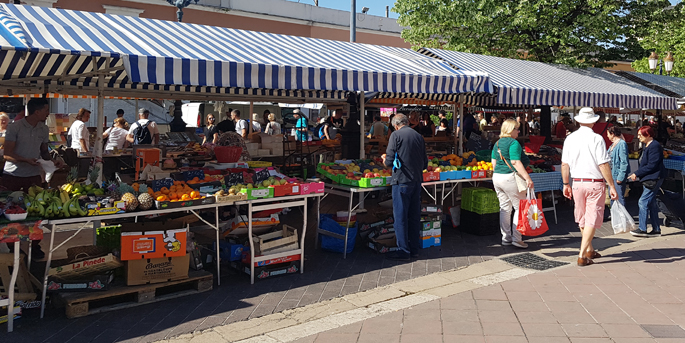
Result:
x=80 y=304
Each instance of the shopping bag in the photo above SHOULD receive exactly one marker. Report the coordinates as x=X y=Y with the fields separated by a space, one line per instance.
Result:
x=621 y=220
x=531 y=220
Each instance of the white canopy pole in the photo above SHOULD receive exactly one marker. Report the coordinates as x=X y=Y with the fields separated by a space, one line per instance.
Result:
x=249 y=117
x=362 y=116
x=454 y=127
x=101 y=119
x=461 y=125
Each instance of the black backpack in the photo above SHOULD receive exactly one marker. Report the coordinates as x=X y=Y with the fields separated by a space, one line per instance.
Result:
x=141 y=135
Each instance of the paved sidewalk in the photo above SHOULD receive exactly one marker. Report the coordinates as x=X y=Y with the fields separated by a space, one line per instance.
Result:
x=634 y=296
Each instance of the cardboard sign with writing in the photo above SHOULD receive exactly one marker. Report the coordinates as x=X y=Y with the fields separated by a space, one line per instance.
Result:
x=261 y=175
x=153 y=244
x=91 y=266
x=233 y=179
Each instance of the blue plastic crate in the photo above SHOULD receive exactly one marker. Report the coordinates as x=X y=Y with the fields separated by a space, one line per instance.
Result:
x=335 y=244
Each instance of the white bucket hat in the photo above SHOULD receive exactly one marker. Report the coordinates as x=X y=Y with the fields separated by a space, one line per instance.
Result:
x=586 y=116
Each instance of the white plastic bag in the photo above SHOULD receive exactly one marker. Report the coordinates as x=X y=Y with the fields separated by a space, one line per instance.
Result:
x=621 y=220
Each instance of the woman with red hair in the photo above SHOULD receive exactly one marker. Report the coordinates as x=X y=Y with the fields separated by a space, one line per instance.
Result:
x=651 y=173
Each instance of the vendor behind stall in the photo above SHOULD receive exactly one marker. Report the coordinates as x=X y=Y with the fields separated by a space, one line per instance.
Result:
x=561 y=127
x=78 y=132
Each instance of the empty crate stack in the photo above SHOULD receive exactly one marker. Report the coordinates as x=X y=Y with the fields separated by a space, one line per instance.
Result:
x=479 y=211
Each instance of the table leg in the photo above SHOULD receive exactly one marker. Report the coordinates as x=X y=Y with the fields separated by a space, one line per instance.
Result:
x=304 y=233
x=349 y=218
x=30 y=254
x=361 y=208
x=554 y=206
x=318 y=220
x=218 y=240
x=96 y=225
x=47 y=269
x=13 y=281
x=249 y=237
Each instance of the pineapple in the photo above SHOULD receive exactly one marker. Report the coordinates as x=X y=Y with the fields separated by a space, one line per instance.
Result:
x=130 y=200
x=93 y=175
x=145 y=201
x=72 y=175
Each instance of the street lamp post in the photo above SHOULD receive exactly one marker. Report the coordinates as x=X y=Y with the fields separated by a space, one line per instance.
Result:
x=667 y=63
x=180 y=4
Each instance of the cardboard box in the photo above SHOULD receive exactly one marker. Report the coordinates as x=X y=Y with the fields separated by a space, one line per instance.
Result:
x=384 y=243
x=426 y=233
x=138 y=245
x=252 y=146
x=427 y=242
x=431 y=209
x=156 y=270
x=86 y=267
x=94 y=283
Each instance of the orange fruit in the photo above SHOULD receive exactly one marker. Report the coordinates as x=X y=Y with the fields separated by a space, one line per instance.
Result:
x=173 y=196
x=150 y=191
x=194 y=194
x=185 y=197
x=196 y=179
x=161 y=198
x=164 y=190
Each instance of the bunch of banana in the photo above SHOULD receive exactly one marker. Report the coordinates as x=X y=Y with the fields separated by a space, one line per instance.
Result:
x=53 y=204
x=34 y=190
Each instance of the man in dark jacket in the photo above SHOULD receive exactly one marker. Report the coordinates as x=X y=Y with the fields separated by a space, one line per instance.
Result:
x=406 y=154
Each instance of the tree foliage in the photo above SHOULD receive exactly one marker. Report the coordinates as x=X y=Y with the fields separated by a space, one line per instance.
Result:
x=662 y=37
x=572 y=32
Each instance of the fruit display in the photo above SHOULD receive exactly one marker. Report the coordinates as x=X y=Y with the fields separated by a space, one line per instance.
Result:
x=634 y=155
x=53 y=203
x=178 y=191
x=667 y=153
x=356 y=173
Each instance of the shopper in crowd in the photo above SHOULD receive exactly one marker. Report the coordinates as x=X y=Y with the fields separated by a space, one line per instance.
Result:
x=494 y=121
x=406 y=154
x=651 y=172
x=442 y=114
x=80 y=136
x=328 y=130
x=561 y=127
x=378 y=129
x=391 y=128
x=4 y=122
x=337 y=119
x=211 y=131
x=482 y=123
x=664 y=130
x=523 y=126
x=265 y=118
x=256 y=125
x=678 y=126
x=601 y=127
x=470 y=125
x=144 y=131
x=226 y=125
x=240 y=124
x=301 y=126
x=26 y=141
x=614 y=121
x=273 y=127
x=120 y=114
x=20 y=115
x=415 y=121
x=116 y=135
x=508 y=159
x=585 y=159
x=620 y=168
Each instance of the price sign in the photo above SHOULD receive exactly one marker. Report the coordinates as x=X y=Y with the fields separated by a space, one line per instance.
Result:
x=259 y=192
x=376 y=182
x=158 y=184
x=261 y=175
x=233 y=179
x=191 y=174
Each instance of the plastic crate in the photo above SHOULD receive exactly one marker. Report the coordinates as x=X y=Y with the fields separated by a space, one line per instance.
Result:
x=109 y=237
x=455 y=175
x=479 y=200
x=258 y=193
x=367 y=182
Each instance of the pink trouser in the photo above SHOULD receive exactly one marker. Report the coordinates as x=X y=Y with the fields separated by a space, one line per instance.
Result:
x=589 y=203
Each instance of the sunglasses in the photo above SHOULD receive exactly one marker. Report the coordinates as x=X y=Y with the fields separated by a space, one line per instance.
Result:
x=212 y=119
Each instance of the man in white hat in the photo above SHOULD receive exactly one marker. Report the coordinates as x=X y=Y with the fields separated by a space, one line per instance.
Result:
x=586 y=160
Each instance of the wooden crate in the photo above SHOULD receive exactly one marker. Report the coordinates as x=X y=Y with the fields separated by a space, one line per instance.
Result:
x=82 y=304
x=24 y=287
x=273 y=242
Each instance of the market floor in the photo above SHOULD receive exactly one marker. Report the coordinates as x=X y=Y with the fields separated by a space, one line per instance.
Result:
x=637 y=296
x=326 y=276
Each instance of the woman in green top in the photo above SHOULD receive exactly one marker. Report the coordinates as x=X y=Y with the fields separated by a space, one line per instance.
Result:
x=507 y=159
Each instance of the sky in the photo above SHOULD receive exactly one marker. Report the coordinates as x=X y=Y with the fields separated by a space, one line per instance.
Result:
x=376 y=7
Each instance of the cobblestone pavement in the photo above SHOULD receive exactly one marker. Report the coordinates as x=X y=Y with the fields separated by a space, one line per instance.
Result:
x=326 y=276
x=637 y=296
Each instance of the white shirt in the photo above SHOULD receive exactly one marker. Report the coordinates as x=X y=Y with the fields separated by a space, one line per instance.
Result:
x=152 y=127
x=273 y=128
x=240 y=126
x=584 y=151
x=116 y=138
x=79 y=131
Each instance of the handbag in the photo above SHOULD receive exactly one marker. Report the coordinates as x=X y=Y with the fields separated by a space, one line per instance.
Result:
x=531 y=220
x=521 y=184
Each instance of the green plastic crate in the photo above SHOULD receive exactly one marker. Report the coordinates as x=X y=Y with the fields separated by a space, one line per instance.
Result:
x=479 y=200
x=109 y=237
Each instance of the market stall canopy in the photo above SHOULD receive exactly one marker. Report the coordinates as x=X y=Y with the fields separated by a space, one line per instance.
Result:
x=521 y=82
x=44 y=43
x=667 y=85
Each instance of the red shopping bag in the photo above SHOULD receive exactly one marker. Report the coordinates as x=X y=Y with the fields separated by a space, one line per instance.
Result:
x=531 y=219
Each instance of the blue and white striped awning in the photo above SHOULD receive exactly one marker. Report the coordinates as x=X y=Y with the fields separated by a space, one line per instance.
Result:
x=521 y=82
x=171 y=53
x=668 y=85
